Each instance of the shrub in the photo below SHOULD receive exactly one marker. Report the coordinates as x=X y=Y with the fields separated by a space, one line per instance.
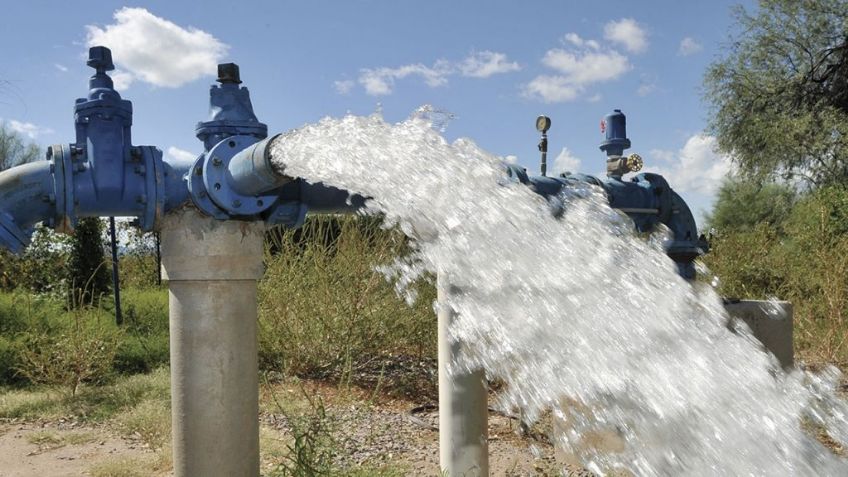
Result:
x=324 y=309
x=749 y=264
x=805 y=263
x=81 y=351
x=145 y=343
x=817 y=279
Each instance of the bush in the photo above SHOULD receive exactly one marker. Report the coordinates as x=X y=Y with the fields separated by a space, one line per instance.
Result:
x=323 y=307
x=817 y=282
x=81 y=352
x=9 y=361
x=749 y=264
x=805 y=263
x=145 y=345
x=41 y=268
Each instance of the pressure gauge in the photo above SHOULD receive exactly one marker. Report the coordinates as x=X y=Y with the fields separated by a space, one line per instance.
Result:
x=543 y=123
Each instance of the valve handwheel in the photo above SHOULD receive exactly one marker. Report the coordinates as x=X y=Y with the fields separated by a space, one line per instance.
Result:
x=634 y=162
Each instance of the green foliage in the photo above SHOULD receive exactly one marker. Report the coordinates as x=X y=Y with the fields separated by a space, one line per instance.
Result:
x=14 y=150
x=743 y=205
x=41 y=268
x=313 y=449
x=804 y=261
x=9 y=360
x=139 y=264
x=145 y=343
x=817 y=258
x=748 y=263
x=89 y=272
x=37 y=326
x=90 y=404
x=324 y=309
x=80 y=351
x=780 y=96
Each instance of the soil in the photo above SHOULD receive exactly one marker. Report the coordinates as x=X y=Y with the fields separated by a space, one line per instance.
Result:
x=368 y=430
x=20 y=457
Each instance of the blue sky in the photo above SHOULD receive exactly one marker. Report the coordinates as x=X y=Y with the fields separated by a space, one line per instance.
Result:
x=496 y=65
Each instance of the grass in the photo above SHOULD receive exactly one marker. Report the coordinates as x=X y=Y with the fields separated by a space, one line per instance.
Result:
x=150 y=420
x=125 y=467
x=92 y=404
x=50 y=439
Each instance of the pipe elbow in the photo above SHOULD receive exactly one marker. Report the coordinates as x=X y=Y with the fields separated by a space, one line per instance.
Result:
x=27 y=197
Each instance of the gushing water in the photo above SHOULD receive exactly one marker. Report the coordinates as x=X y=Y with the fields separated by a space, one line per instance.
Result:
x=576 y=313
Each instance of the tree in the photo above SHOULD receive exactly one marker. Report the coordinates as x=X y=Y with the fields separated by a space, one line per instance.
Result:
x=780 y=97
x=742 y=204
x=14 y=149
x=89 y=274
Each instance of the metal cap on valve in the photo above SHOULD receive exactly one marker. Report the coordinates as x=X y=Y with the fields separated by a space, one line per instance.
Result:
x=228 y=73
x=100 y=58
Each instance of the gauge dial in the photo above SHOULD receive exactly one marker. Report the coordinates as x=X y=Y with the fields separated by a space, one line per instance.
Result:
x=543 y=123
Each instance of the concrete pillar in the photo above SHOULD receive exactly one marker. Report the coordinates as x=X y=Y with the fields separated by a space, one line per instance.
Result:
x=212 y=268
x=771 y=322
x=463 y=405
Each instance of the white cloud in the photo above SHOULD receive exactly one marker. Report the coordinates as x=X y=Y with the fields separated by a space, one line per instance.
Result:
x=628 y=33
x=566 y=162
x=552 y=89
x=30 y=130
x=647 y=84
x=688 y=46
x=61 y=68
x=157 y=51
x=181 y=154
x=697 y=167
x=645 y=89
x=581 y=68
x=343 y=86
x=380 y=81
x=486 y=63
x=576 y=40
x=577 y=70
x=121 y=80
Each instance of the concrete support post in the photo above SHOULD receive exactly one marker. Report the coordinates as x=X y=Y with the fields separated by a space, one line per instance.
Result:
x=212 y=268
x=772 y=324
x=463 y=405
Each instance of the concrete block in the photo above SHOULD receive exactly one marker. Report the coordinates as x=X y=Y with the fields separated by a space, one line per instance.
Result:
x=771 y=323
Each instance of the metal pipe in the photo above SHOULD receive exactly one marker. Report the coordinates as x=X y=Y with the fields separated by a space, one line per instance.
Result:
x=463 y=402
x=251 y=171
x=212 y=267
x=27 y=196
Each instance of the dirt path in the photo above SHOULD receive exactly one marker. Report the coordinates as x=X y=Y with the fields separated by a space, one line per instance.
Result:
x=55 y=450
x=368 y=432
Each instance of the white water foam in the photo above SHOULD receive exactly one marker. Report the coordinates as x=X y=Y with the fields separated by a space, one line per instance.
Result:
x=577 y=314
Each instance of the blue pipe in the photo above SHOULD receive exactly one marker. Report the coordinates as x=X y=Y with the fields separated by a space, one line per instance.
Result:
x=28 y=196
x=102 y=174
